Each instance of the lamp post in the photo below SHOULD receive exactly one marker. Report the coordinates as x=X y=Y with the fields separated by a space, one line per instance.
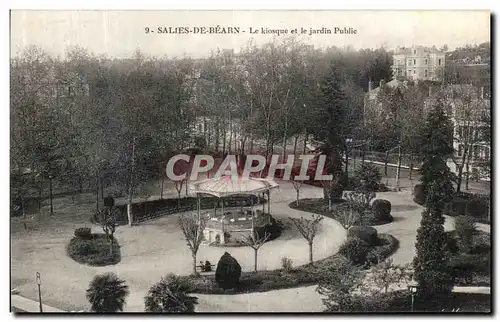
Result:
x=39 y=282
x=412 y=287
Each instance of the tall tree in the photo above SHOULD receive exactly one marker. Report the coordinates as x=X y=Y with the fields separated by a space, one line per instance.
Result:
x=430 y=263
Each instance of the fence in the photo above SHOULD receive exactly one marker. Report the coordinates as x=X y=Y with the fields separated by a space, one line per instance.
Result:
x=391 y=158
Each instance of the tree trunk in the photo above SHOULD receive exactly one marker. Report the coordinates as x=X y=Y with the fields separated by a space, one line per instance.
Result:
x=51 y=197
x=102 y=188
x=179 y=199
x=251 y=145
x=230 y=136
x=467 y=175
x=363 y=155
x=297 y=203
x=193 y=254
x=23 y=210
x=464 y=160
x=295 y=145
x=386 y=161
x=411 y=167
x=305 y=143
x=310 y=252
x=162 y=184
x=255 y=259
x=97 y=194
x=186 y=185
x=80 y=185
x=40 y=197
x=346 y=151
x=398 y=170
x=111 y=246
x=131 y=185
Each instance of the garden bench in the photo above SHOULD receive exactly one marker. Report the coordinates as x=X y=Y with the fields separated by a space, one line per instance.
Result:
x=206 y=268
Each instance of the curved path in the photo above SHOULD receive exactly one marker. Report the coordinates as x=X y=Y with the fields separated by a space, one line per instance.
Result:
x=150 y=251
x=164 y=236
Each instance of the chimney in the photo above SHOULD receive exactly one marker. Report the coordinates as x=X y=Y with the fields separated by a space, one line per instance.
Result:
x=482 y=92
x=370 y=85
x=382 y=83
x=430 y=90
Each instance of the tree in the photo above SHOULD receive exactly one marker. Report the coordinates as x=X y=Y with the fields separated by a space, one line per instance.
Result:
x=255 y=242
x=107 y=217
x=107 y=293
x=468 y=111
x=386 y=274
x=331 y=118
x=297 y=184
x=170 y=295
x=192 y=227
x=308 y=229
x=431 y=270
x=339 y=287
x=436 y=149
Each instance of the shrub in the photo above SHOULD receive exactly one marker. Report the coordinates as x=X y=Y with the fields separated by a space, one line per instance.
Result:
x=464 y=264
x=477 y=208
x=387 y=245
x=94 y=251
x=83 y=232
x=366 y=234
x=286 y=264
x=382 y=209
x=383 y=188
x=228 y=272
x=109 y=202
x=481 y=243
x=107 y=293
x=418 y=194
x=355 y=249
x=170 y=294
x=368 y=178
x=464 y=227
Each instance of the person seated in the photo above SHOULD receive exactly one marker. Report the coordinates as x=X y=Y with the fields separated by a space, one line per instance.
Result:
x=208 y=266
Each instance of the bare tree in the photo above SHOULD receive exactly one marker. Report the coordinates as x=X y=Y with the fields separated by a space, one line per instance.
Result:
x=297 y=184
x=255 y=241
x=192 y=227
x=308 y=229
x=178 y=186
x=107 y=217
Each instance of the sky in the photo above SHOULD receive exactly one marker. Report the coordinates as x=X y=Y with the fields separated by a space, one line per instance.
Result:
x=121 y=33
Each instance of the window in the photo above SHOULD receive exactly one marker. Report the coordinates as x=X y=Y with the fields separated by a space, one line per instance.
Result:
x=439 y=62
x=425 y=73
x=414 y=52
x=460 y=150
x=486 y=153
x=414 y=62
x=414 y=72
x=426 y=61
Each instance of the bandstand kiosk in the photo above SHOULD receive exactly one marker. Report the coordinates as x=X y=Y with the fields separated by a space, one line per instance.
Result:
x=234 y=217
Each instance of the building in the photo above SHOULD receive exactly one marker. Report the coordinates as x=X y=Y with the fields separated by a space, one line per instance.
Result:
x=469 y=110
x=418 y=63
x=372 y=107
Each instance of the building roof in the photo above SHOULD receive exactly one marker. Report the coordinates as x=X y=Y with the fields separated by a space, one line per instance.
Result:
x=393 y=84
x=228 y=185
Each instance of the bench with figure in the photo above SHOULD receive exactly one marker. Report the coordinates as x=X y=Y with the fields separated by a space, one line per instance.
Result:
x=206 y=268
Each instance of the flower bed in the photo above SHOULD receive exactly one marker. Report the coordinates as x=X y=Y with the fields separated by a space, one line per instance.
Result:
x=94 y=250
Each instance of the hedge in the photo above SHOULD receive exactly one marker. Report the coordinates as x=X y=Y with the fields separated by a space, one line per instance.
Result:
x=263 y=281
x=151 y=209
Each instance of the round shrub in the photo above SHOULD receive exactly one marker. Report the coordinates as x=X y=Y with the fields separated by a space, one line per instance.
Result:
x=385 y=247
x=477 y=208
x=366 y=234
x=109 y=202
x=83 y=233
x=94 y=251
x=355 y=249
x=228 y=272
x=382 y=209
x=418 y=194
